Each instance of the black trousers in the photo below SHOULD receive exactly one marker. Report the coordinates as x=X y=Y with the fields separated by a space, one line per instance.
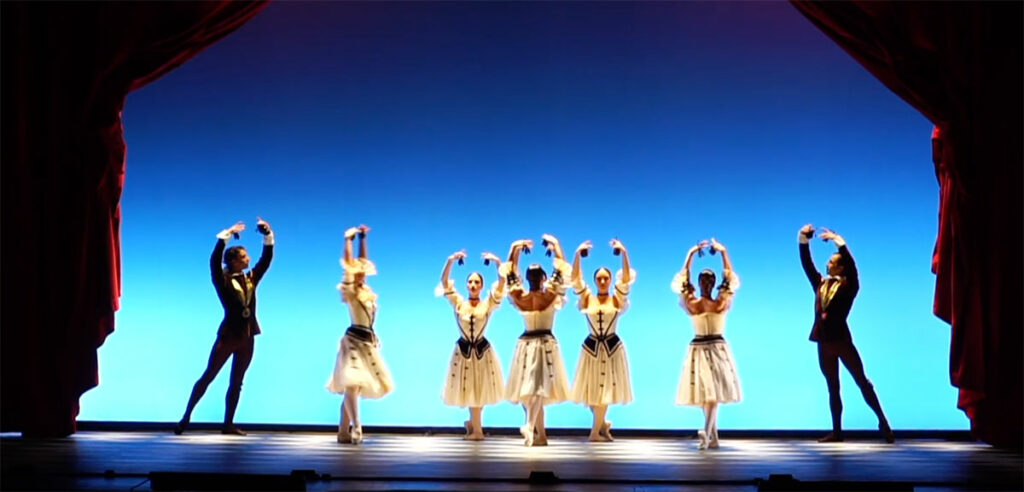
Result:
x=240 y=348
x=829 y=355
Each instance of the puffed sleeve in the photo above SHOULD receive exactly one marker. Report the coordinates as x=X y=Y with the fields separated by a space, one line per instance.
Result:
x=560 y=275
x=495 y=295
x=681 y=285
x=347 y=287
x=449 y=292
x=512 y=280
x=622 y=288
x=582 y=291
x=730 y=284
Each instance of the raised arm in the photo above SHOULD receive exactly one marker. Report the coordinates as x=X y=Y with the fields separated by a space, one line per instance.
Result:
x=513 y=257
x=554 y=245
x=627 y=272
x=363 y=232
x=687 y=298
x=268 y=250
x=492 y=258
x=804 y=238
x=350 y=235
x=850 y=269
x=448 y=267
x=719 y=247
x=730 y=282
x=581 y=251
x=216 y=272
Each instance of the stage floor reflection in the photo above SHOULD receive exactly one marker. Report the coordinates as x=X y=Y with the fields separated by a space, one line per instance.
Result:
x=120 y=460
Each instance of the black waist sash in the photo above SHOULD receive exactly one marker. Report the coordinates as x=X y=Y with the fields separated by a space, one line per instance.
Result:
x=699 y=339
x=610 y=342
x=536 y=334
x=361 y=333
x=466 y=347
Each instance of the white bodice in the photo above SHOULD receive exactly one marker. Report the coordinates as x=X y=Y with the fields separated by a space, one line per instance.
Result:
x=708 y=323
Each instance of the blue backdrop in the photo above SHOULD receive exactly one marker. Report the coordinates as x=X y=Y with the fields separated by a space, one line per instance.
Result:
x=448 y=126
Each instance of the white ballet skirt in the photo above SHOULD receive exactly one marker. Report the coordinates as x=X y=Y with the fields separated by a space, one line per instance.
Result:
x=359 y=361
x=537 y=366
x=602 y=373
x=709 y=371
x=474 y=371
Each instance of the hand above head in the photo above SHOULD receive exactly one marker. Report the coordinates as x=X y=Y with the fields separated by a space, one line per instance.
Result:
x=458 y=255
x=262 y=226
x=827 y=235
x=488 y=256
x=717 y=246
x=699 y=246
x=616 y=244
x=238 y=227
x=364 y=229
x=584 y=246
x=549 y=239
x=807 y=230
x=523 y=243
x=351 y=232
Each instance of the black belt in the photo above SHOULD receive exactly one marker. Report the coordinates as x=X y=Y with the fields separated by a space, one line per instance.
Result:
x=610 y=342
x=536 y=334
x=707 y=339
x=466 y=347
x=361 y=333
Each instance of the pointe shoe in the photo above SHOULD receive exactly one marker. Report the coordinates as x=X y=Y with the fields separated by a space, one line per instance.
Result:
x=540 y=441
x=527 y=432
x=887 y=432
x=597 y=437
x=702 y=440
x=345 y=436
x=180 y=427
x=834 y=436
x=469 y=428
x=713 y=440
x=475 y=437
x=606 y=430
x=357 y=435
x=230 y=429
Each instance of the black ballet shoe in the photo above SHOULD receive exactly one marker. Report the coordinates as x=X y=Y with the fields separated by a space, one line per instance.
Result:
x=832 y=437
x=230 y=429
x=887 y=432
x=179 y=428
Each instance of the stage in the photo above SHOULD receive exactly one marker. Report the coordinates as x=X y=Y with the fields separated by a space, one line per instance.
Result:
x=132 y=460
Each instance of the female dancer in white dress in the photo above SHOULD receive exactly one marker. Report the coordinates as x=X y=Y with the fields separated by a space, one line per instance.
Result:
x=709 y=373
x=359 y=370
x=537 y=376
x=474 y=373
x=602 y=374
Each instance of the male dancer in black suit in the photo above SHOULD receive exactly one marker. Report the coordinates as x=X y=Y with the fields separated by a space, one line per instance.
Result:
x=833 y=299
x=236 y=289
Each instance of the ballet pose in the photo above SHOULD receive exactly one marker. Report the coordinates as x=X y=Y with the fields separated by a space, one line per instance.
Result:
x=474 y=374
x=709 y=373
x=833 y=299
x=537 y=376
x=360 y=370
x=602 y=374
x=236 y=289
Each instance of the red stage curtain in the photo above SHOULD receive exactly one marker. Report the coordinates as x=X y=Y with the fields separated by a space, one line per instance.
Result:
x=67 y=67
x=960 y=64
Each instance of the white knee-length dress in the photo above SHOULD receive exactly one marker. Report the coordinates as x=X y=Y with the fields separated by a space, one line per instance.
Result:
x=474 y=371
x=602 y=373
x=709 y=371
x=359 y=361
x=537 y=366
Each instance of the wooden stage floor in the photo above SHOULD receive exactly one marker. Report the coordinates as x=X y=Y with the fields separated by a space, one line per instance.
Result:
x=121 y=460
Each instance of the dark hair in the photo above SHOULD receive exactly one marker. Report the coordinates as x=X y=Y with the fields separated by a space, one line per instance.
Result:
x=478 y=274
x=843 y=261
x=599 y=271
x=232 y=253
x=535 y=274
x=707 y=273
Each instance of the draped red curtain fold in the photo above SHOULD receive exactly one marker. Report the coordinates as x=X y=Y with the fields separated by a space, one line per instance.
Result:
x=68 y=67
x=960 y=64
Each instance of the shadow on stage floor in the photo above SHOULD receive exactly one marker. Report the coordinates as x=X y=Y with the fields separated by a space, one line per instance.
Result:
x=202 y=459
